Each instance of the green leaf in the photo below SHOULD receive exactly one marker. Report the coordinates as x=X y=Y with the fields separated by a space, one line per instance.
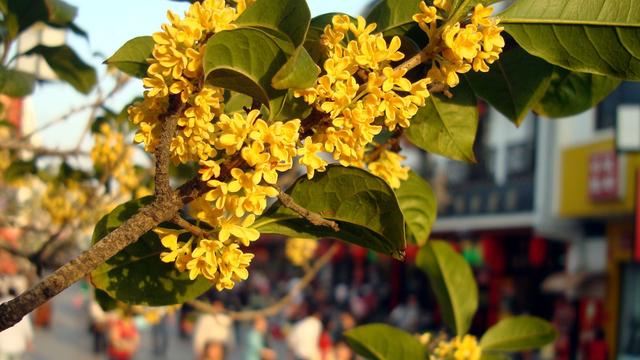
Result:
x=68 y=66
x=514 y=83
x=6 y=123
x=418 y=204
x=571 y=93
x=106 y=302
x=394 y=17
x=19 y=169
x=131 y=58
x=235 y=101
x=22 y=14
x=136 y=275
x=231 y=61
x=363 y=205
x=384 y=342
x=289 y=17
x=452 y=282
x=594 y=36
x=447 y=126
x=493 y=356
x=16 y=83
x=299 y=72
x=287 y=107
x=518 y=334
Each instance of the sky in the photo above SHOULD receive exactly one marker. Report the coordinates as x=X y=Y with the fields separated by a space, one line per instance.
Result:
x=109 y=25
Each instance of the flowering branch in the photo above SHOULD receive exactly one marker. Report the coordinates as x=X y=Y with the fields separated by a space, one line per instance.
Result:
x=274 y=309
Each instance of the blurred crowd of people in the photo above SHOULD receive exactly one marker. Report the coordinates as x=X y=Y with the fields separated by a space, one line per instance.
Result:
x=311 y=326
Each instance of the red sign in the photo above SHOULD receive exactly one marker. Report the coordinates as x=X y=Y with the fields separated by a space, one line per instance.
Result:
x=604 y=177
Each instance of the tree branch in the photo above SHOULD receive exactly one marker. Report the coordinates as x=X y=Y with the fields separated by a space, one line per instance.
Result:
x=144 y=220
x=314 y=218
x=274 y=309
x=162 y=153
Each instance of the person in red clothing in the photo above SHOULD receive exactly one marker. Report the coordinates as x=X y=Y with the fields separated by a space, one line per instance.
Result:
x=597 y=348
x=123 y=338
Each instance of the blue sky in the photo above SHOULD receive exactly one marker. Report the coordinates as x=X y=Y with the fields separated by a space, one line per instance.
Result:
x=110 y=24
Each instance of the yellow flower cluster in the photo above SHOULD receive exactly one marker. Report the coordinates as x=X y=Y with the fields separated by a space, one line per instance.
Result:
x=221 y=262
x=300 y=250
x=460 y=48
x=360 y=91
x=62 y=202
x=113 y=157
x=206 y=135
x=176 y=69
x=388 y=167
x=359 y=94
x=459 y=348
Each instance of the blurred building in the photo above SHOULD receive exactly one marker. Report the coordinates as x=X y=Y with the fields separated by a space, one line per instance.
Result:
x=596 y=186
x=547 y=217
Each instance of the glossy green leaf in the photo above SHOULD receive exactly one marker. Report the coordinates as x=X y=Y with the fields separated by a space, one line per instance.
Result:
x=518 y=334
x=384 y=342
x=289 y=17
x=594 y=36
x=19 y=169
x=363 y=205
x=244 y=60
x=452 y=281
x=68 y=66
x=299 y=72
x=514 y=83
x=418 y=204
x=287 y=107
x=571 y=93
x=447 y=126
x=131 y=58
x=16 y=83
x=394 y=17
x=136 y=275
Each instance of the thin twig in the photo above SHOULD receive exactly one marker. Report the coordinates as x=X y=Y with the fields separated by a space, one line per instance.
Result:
x=94 y=105
x=274 y=309
x=314 y=218
x=193 y=229
x=41 y=151
x=13 y=251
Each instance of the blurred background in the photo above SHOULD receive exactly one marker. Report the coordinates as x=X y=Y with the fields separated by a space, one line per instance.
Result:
x=547 y=217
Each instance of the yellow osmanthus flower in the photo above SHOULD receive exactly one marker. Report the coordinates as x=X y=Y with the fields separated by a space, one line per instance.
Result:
x=309 y=157
x=442 y=4
x=360 y=91
x=62 y=201
x=460 y=47
x=459 y=348
x=114 y=158
x=179 y=252
x=388 y=166
x=300 y=250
